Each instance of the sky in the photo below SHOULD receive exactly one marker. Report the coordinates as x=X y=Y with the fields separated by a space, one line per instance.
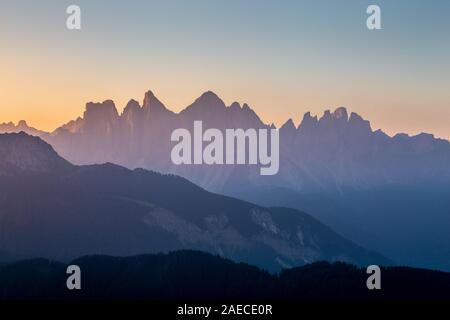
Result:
x=282 y=57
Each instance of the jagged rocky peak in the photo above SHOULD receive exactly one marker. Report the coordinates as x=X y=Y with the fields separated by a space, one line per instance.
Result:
x=152 y=104
x=288 y=126
x=340 y=114
x=308 y=120
x=326 y=116
x=132 y=112
x=72 y=126
x=22 y=125
x=249 y=111
x=246 y=107
x=132 y=107
x=356 y=121
x=101 y=111
x=288 y=131
x=354 y=117
x=308 y=123
x=337 y=119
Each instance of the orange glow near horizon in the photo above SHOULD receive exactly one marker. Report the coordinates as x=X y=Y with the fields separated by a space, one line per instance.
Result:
x=281 y=68
x=48 y=101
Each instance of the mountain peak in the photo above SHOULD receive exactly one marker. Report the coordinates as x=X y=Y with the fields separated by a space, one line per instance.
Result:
x=209 y=95
x=354 y=117
x=211 y=99
x=132 y=112
x=106 y=108
x=208 y=101
x=131 y=107
x=152 y=103
x=357 y=122
x=149 y=95
x=235 y=106
x=22 y=124
x=326 y=116
x=308 y=119
x=20 y=152
x=341 y=114
x=246 y=107
x=308 y=123
x=288 y=125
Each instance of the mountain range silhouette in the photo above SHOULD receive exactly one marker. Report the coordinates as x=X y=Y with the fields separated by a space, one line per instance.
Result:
x=388 y=193
x=181 y=275
x=53 y=209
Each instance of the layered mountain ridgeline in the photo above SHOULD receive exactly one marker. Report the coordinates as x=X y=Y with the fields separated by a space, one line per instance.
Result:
x=191 y=275
x=22 y=125
x=334 y=153
x=387 y=193
x=51 y=208
x=140 y=136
